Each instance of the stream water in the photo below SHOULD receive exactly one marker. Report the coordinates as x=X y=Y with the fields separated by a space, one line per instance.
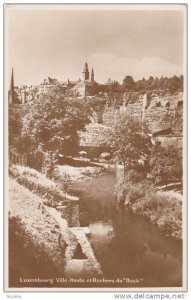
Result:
x=127 y=246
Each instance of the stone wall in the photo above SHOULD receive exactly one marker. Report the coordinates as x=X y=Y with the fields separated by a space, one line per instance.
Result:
x=170 y=141
x=70 y=212
x=94 y=136
x=109 y=116
x=158 y=111
x=164 y=112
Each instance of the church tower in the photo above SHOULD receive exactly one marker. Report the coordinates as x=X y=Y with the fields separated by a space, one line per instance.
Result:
x=11 y=91
x=85 y=73
x=92 y=75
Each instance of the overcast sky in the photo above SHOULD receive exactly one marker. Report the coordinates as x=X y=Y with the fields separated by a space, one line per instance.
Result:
x=57 y=43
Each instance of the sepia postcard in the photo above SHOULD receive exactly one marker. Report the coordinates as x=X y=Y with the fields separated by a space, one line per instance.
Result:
x=95 y=101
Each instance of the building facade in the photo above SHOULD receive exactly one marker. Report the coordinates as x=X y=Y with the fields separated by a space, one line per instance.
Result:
x=85 y=87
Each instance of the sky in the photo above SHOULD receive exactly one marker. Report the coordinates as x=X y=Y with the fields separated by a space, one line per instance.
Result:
x=47 y=41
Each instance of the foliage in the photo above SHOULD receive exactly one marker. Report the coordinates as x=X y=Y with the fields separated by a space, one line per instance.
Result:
x=134 y=176
x=14 y=121
x=39 y=184
x=175 y=83
x=23 y=145
x=35 y=159
x=22 y=248
x=63 y=181
x=15 y=115
x=114 y=87
x=164 y=211
x=128 y=83
x=49 y=162
x=130 y=143
x=97 y=103
x=54 y=121
x=140 y=196
x=172 y=84
x=131 y=187
x=166 y=164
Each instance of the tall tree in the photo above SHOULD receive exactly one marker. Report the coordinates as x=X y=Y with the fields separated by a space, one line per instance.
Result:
x=166 y=165
x=54 y=121
x=130 y=142
x=128 y=83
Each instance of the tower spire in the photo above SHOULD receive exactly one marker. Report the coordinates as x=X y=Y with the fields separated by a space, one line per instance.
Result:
x=92 y=75
x=85 y=73
x=11 y=91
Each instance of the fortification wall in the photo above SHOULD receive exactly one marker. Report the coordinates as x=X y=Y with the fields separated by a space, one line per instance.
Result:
x=94 y=136
x=159 y=112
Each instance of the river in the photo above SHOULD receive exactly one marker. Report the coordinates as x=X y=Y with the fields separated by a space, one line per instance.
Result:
x=127 y=246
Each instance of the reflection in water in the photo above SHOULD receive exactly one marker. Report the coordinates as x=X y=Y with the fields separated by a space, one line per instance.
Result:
x=102 y=234
x=126 y=245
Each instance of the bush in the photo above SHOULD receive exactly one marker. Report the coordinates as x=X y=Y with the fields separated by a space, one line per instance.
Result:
x=166 y=165
x=163 y=211
x=135 y=192
x=35 y=160
x=26 y=256
x=38 y=183
x=132 y=187
x=141 y=198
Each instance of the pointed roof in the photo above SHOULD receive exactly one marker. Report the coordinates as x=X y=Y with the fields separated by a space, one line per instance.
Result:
x=12 y=80
x=85 y=67
x=11 y=91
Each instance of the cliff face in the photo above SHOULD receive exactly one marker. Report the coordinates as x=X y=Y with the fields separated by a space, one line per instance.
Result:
x=95 y=135
x=158 y=111
x=163 y=113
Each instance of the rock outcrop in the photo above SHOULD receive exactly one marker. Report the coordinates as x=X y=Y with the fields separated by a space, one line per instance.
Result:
x=162 y=112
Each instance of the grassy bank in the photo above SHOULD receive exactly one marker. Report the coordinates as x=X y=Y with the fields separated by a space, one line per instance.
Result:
x=160 y=208
x=41 y=185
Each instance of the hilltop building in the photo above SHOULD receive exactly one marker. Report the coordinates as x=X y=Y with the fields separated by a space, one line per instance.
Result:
x=47 y=84
x=85 y=87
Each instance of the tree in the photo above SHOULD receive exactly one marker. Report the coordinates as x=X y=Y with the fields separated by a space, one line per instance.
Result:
x=53 y=121
x=20 y=144
x=115 y=87
x=166 y=165
x=130 y=142
x=140 y=85
x=128 y=83
x=14 y=122
x=175 y=84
